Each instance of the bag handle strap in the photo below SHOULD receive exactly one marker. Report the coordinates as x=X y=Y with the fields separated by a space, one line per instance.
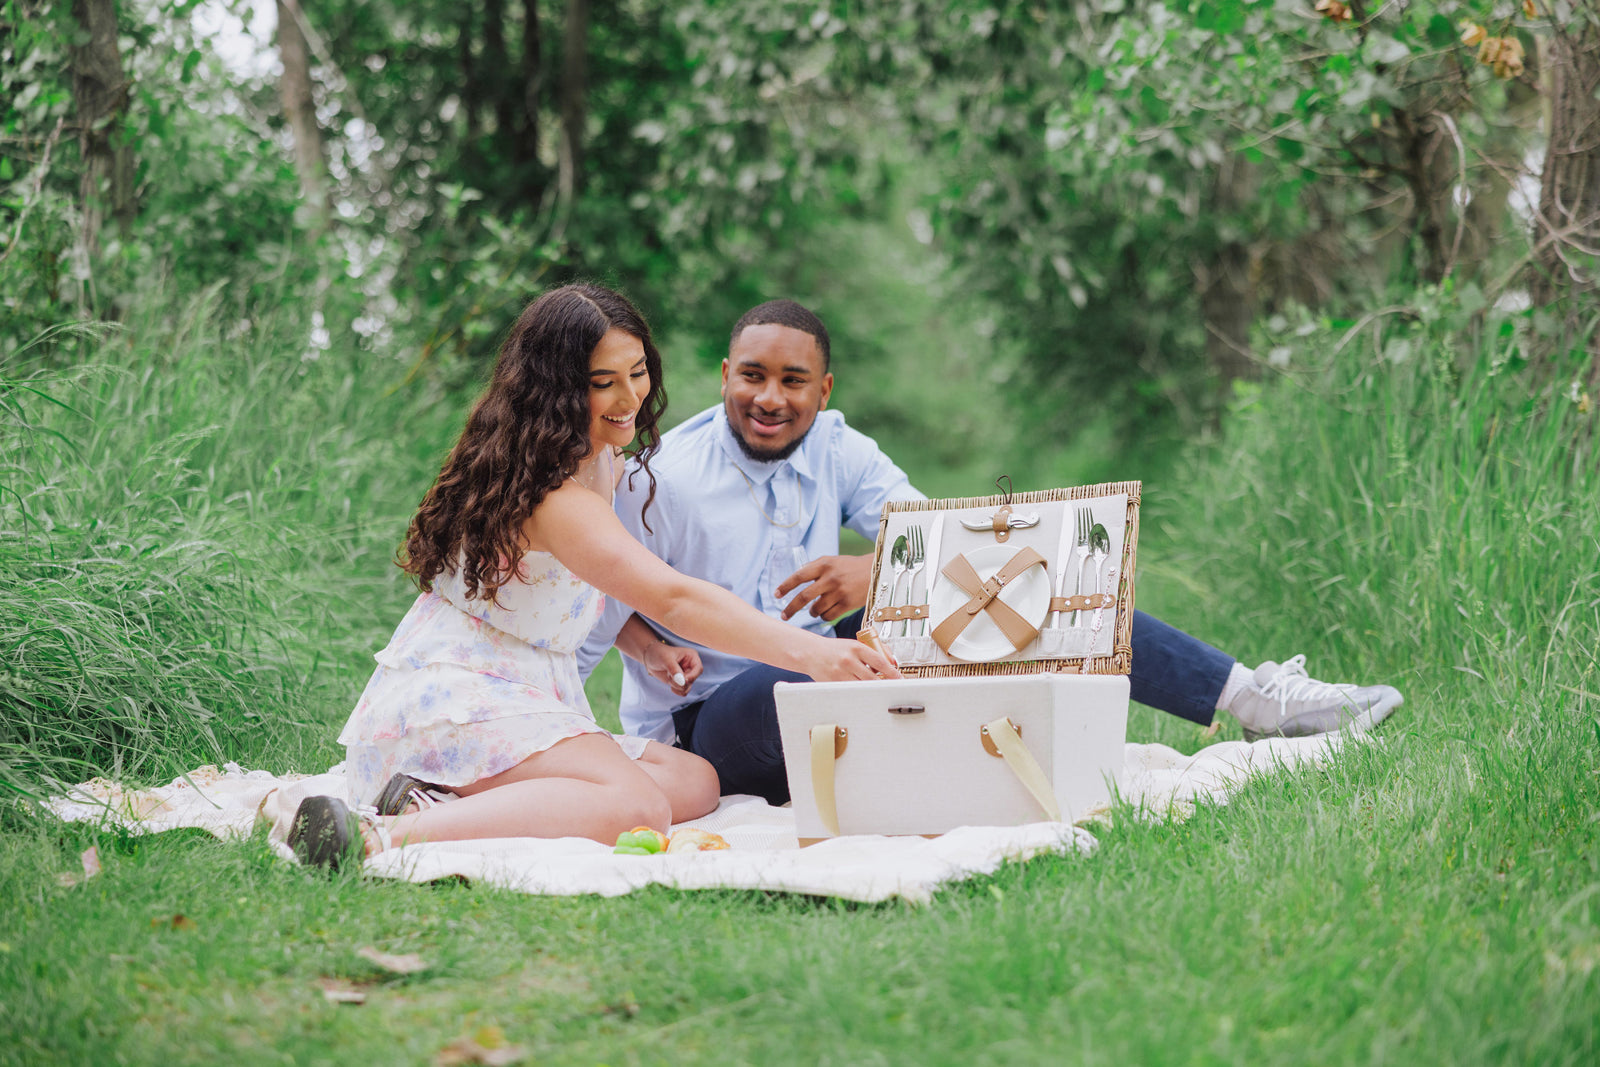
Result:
x=827 y=742
x=1009 y=744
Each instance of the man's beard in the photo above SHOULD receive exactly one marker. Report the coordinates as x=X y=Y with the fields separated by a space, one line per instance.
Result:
x=767 y=455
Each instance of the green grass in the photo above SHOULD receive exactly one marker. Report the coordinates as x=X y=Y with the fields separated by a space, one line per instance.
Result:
x=206 y=543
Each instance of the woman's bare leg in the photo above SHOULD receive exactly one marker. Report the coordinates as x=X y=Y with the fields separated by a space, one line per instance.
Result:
x=689 y=782
x=585 y=786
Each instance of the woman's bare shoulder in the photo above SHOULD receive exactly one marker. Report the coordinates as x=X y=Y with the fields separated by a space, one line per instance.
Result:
x=563 y=507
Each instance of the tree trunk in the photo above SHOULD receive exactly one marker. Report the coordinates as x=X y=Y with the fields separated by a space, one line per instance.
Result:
x=471 y=88
x=1567 y=230
x=1501 y=150
x=574 y=87
x=1227 y=277
x=299 y=110
x=527 y=147
x=1430 y=164
x=502 y=84
x=100 y=93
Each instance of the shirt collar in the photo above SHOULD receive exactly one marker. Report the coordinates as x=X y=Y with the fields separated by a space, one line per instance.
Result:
x=757 y=471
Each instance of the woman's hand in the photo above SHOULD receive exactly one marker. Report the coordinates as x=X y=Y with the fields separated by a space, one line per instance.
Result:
x=831 y=659
x=672 y=665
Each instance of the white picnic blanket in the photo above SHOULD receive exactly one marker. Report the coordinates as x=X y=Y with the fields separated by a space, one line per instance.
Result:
x=1158 y=783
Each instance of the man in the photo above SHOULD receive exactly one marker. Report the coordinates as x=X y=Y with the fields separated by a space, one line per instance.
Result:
x=745 y=485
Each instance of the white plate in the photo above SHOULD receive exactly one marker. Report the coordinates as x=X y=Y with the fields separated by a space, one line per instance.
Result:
x=1028 y=594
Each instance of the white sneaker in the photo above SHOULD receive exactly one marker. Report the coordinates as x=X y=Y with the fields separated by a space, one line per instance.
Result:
x=1283 y=701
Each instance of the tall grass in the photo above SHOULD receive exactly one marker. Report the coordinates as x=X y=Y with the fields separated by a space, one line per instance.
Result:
x=192 y=518
x=1435 y=519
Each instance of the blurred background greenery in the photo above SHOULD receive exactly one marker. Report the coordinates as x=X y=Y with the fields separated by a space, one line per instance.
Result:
x=258 y=257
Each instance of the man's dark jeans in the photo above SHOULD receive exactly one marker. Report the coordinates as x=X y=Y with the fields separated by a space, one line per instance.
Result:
x=736 y=727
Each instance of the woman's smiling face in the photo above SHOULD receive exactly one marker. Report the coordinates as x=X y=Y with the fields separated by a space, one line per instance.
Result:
x=619 y=382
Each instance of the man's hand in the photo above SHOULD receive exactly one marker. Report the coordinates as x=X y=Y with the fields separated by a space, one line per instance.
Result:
x=838 y=586
x=672 y=665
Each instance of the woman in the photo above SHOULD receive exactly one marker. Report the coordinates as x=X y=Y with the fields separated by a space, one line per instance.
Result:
x=478 y=693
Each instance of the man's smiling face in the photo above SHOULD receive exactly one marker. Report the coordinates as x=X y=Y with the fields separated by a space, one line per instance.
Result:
x=773 y=385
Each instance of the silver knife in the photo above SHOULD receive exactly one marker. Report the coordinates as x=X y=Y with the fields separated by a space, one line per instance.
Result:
x=930 y=568
x=1063 y=555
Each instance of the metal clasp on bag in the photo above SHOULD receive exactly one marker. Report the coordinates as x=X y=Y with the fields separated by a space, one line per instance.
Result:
x=988 y=742
x=907 y=709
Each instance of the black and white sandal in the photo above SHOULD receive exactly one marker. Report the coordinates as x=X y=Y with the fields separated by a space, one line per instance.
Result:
x=402 y=791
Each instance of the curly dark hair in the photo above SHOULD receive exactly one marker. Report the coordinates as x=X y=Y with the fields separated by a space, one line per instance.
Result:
x=525 y=435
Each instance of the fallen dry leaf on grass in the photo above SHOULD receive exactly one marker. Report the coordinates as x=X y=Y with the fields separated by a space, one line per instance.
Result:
x=487 y=1046
x=91 y=867
x=340 y=992
x=394 y=964
x=176 y=922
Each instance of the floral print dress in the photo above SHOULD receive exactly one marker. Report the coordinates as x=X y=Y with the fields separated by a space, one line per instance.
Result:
x=467 y=689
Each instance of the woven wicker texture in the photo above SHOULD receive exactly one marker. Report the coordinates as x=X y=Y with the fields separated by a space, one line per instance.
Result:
x=1121 y=659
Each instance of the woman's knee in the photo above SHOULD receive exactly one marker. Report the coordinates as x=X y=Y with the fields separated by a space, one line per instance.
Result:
x=689 y=781
x=644 y=804
x=700 y=791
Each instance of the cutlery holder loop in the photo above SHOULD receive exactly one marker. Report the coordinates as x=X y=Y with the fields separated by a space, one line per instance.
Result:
x=900 y=613
x=1002 y=523
x=1083 y=602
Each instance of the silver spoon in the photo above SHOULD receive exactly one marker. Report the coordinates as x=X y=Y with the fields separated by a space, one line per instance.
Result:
x=882 y=601
x=899 y=559
x=1099 y=549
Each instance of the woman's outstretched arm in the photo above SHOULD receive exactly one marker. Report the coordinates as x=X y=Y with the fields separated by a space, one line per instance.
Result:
x=579 y=528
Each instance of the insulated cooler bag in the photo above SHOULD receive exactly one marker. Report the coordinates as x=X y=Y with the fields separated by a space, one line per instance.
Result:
x=926 y=755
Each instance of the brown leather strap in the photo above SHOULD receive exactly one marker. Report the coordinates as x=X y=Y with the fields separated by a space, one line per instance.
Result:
x=1001 y=523
x=900 y=611
x=985 y=596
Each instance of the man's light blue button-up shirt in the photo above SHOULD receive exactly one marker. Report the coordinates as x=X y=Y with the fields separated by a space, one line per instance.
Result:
x=735 y=521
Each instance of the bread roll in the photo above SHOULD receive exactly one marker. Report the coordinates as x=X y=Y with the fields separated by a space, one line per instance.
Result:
x=690 y=839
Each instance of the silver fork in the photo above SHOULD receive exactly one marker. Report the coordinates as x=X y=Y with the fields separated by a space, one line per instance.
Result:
x=1085 y=524
x=915 y=594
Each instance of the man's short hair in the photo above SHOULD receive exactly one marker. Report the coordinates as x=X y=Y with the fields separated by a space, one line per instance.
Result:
x=785 y=313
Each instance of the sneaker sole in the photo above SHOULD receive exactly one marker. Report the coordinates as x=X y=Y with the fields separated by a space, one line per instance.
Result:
x=325 y=833
x=1311 y=726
